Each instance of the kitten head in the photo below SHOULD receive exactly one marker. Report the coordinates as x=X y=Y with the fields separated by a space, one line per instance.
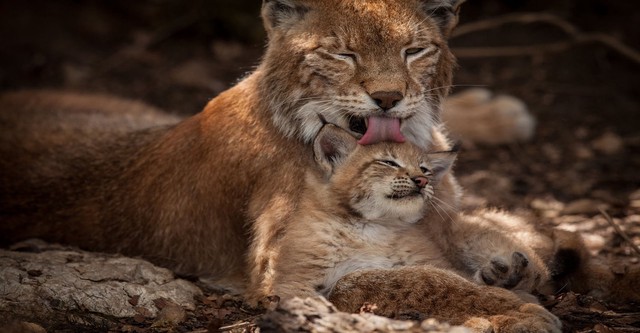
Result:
x=383 y=183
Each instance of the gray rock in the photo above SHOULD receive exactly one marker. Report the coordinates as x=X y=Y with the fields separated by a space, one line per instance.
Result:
x=82 y=288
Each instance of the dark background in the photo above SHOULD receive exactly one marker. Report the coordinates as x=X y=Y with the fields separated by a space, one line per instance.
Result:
x=178 y=54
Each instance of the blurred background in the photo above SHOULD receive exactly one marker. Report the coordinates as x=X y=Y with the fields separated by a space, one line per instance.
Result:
x=574 y=62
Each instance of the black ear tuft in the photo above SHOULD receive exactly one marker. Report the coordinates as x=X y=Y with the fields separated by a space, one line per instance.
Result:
x=331 y=146
x=281 y=13
x=444 y=12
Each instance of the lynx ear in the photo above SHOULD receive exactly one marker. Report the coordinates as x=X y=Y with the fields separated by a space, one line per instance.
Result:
x=440 y=164
x=445 y=12
x=281 y=13
x=331 y=146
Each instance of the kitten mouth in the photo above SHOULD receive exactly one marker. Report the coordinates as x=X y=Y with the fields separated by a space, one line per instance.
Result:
x=376 y=129
x=405 y=194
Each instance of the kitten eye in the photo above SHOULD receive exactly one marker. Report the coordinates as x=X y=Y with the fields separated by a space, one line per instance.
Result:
x=424 y=170
x=351 y=56
x=390 y=163
x=413 y=50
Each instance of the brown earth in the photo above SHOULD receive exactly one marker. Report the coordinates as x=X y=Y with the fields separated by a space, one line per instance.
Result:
x=585 y=95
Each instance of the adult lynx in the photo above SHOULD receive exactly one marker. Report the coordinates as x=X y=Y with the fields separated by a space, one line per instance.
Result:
x=186 y=194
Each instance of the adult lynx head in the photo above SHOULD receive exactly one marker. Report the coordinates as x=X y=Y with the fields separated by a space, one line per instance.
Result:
x=379 y=68
x=383 y=183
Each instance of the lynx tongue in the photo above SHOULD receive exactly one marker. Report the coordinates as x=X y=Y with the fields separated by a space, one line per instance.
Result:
x=382 y=129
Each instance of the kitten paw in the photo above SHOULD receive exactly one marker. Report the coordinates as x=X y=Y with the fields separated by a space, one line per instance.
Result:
x=505 y=272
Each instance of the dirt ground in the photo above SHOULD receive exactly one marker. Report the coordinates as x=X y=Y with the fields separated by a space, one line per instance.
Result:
x=576 y=74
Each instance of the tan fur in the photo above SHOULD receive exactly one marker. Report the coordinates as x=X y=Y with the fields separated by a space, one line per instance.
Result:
x=392 y=255
x=346 y=220
x=186 y=194
x=443 y=295
x=208 y=195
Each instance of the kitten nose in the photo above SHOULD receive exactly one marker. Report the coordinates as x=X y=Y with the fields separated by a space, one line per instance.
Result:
x=387 y=99
x=420 y=181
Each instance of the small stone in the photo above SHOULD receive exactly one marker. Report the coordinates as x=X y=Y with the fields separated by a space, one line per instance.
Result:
x=546 y=204
x=583 y=152
x=171 y=314
x=608 y=143
x=584 y=206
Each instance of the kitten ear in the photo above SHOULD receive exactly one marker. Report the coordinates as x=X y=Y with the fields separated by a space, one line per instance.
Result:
x=331 y=146
x=440 y=164
x=445 y=12
x=281 y=13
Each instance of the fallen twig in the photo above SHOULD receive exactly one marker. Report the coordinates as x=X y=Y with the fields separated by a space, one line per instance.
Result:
x=521 y=18
x=620 y=231
x=236 y=325
x=577 y=37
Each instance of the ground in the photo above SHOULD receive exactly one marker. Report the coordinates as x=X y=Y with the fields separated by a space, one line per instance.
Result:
x=583 y=87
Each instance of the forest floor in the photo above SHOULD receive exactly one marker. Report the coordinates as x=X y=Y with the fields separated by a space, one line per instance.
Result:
x=582 y=87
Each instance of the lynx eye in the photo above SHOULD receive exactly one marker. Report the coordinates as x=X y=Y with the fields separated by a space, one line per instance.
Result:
x=413 y=51
x=348 y=56
x=389 y=163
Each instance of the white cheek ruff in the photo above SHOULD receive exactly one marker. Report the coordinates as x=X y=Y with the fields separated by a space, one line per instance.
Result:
x=417 y=128
x=308 y=119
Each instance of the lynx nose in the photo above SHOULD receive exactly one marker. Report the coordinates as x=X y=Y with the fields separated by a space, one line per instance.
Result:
x=420 y=181
x=387 y=99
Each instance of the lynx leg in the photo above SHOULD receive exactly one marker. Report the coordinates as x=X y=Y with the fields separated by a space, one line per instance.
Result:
x=443 y=295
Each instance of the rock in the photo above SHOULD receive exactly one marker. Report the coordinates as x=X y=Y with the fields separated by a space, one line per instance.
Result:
x=318 y=315
x=582 y=152
x=548 y=207
x=85 y=289
x=584 y=206
x=171 y=314
x=608 y=143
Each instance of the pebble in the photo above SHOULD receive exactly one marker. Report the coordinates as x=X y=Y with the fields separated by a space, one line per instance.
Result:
x=171 y=314
x=584 y=206
x=608 y=143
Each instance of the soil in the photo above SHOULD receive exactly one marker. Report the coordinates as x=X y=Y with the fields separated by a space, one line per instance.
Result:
x=586 y=98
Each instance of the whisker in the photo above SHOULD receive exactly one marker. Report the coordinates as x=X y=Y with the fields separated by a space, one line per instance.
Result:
x=448 y=205
x=436 y=209
x=445 y=212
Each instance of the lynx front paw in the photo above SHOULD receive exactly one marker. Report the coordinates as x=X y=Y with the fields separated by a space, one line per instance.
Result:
x=528 y=318
x=509 y=273
x=476 y=115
